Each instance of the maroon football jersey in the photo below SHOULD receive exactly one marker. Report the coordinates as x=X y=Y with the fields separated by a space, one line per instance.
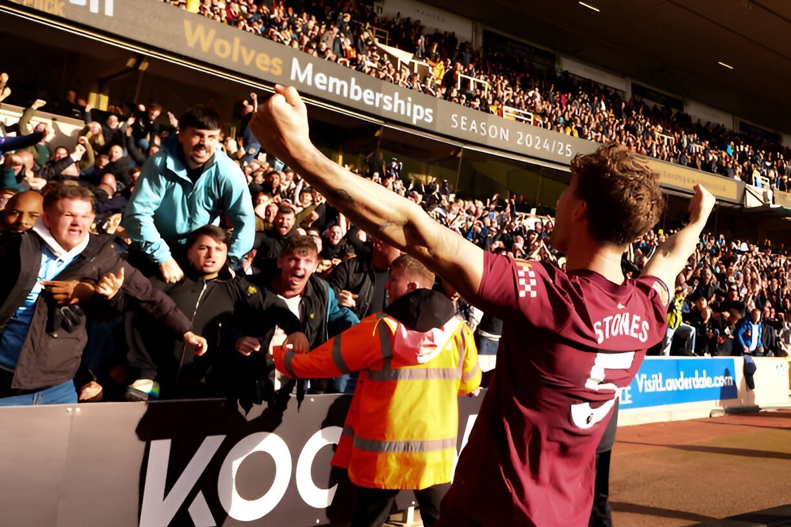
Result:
x=569 y=342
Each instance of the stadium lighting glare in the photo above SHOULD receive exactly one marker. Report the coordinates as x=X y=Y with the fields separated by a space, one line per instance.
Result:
x=725 y=65
x=583 y=4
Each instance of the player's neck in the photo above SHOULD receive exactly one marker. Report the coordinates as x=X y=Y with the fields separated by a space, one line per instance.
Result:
x=602 y=259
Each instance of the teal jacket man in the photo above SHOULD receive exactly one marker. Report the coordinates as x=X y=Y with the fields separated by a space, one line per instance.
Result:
x=186 y=186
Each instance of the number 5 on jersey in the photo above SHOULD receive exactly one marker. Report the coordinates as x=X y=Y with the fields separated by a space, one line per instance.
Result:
x=582 y=414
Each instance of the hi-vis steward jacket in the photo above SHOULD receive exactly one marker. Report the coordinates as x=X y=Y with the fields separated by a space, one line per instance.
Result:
x=414 y=360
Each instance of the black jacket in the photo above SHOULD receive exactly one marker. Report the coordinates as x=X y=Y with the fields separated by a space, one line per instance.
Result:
x=269 y=244
x=356 y=275
x=221 y=310
x=53 y=348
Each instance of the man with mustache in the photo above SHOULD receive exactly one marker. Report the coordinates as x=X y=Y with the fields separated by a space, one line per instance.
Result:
x=183 y=187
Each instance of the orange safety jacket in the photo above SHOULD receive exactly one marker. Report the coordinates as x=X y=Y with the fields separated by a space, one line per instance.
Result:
x=401 y=429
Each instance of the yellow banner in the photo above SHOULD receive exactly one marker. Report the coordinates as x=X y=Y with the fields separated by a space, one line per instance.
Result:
x=680 y=177
x=782 y=198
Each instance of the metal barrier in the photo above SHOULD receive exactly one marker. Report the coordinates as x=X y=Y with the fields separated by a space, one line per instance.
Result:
x=515 y=114
x=379 y=33
x=664 y=138
x=472 y=82
x=177 y=463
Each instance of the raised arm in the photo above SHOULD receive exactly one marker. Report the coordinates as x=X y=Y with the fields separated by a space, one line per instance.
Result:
x=671 y=257
x=281 y=124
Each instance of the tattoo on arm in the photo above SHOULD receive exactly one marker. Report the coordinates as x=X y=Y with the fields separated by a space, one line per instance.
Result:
x=342 y=197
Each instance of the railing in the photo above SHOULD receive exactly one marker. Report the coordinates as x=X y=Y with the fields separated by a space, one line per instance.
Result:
x=472 y=82
x=515 y=114
x=382 y=35
x=419 y=66
x=664 y=138
x=379 y=33
x=760 y=181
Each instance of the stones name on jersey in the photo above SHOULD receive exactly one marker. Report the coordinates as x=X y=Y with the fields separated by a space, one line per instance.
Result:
x=623 y=324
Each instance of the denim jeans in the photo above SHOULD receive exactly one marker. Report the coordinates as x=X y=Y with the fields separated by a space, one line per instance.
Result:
x=487 y=352
x=60 y=394
x=485 y=345
x=684 y=331
x=250 y=152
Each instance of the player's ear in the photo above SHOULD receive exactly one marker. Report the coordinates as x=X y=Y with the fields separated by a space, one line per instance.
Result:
x=580 y=211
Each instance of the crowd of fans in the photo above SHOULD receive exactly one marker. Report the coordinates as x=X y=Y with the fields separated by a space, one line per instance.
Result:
x=732 y=299
x=506 y=84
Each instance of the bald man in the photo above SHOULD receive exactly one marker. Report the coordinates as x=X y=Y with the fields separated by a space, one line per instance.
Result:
x=21 y=212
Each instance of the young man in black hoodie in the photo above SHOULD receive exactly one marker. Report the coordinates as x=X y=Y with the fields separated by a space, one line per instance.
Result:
x=224 y=308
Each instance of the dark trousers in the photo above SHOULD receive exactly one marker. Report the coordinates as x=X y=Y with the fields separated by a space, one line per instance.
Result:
x=373 y=506
x=600 y=513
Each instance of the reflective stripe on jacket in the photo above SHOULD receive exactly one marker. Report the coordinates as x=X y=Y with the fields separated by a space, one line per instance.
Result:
x=400 y=432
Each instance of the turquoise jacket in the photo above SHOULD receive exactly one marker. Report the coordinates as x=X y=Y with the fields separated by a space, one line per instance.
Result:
x=166 y=206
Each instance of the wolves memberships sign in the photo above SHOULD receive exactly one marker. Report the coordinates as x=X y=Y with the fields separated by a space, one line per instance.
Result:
x=180 y=32
x=681 y=178
x=168 y=464
x=662 y=381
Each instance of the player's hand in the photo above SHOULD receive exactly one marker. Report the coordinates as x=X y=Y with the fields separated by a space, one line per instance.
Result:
x=110 y=284
x=298 y=342
x=197 y=342
x=346 y=299
x=68 y=293
x=247 y=346
x=281 y=124
x=171 y=272
x=700 y=206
